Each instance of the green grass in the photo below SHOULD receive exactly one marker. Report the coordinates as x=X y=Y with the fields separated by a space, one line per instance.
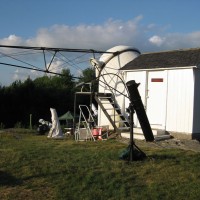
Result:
x=34 y=167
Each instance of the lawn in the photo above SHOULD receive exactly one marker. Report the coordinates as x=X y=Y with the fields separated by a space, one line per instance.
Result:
x=34 y=167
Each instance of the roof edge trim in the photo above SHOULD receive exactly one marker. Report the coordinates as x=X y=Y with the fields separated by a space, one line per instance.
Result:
x=158 y=69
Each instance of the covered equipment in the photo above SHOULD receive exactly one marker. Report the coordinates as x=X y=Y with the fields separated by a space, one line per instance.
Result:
x=55 y=131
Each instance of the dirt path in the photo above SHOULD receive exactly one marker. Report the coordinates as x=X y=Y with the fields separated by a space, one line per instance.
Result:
x=193 y=145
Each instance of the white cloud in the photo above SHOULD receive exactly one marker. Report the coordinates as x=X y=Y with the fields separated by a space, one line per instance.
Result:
x=56 y=66
x=11 y=40
x=20 y=74
x=16 y=75
x=157 y=40
x=23 y=74
x=175 y=41
x=148 y=37
x=104 y=36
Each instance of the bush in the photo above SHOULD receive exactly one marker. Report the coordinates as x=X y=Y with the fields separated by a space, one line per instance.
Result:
x=18 y=125
x=2 y=126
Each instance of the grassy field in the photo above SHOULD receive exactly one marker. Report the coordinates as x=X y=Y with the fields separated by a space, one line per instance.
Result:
x=34 y=167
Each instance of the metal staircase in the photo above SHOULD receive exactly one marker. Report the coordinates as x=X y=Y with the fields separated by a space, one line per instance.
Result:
x=112 y=111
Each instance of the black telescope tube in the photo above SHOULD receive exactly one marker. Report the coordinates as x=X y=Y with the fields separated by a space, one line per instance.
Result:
x=137 y=104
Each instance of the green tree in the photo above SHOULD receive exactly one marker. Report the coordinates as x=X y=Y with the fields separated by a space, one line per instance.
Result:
x=88 y=76
x=63 y=81
x=35 y=97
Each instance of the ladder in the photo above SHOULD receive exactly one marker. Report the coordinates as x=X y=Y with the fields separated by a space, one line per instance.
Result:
x=112 y=111
x=84 y=130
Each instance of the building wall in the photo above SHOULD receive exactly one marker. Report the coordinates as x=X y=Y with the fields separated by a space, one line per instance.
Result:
x=180 y=95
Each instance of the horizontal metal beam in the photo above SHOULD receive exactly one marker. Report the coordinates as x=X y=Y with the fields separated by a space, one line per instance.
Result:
x=57 y=49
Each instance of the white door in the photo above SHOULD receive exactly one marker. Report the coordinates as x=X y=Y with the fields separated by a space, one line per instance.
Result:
x=156 y=98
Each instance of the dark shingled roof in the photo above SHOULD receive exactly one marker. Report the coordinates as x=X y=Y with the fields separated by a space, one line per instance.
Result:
x=167 y=59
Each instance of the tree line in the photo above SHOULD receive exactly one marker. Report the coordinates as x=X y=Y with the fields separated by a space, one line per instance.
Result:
x=34 y=98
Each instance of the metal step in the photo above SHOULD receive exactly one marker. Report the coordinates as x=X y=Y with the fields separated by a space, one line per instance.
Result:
x=104 y=97
x=124 y=128
x=108 y=102
x=117 y=115
x=118 y=121
x=138 y=134
x=112 y=109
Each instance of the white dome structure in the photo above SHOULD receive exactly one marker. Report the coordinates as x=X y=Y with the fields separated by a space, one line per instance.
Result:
x=111 y=78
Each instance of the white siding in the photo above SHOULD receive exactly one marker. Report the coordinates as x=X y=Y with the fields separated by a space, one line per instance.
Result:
x=156 y=99
x=180 y=101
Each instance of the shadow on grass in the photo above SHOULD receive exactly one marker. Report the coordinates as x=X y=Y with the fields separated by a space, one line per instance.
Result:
x=8 y=180
x=162 y=157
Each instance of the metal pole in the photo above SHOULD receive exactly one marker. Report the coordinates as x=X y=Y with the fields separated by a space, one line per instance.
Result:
x=136 y=105
x=131 y=132
x=91 y=94
x=74 y=121
x=30 y=126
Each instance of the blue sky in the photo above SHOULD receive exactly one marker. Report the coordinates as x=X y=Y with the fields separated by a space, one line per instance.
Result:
x=149 y=25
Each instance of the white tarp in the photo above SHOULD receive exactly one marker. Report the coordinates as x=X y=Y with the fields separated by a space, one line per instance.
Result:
x=55 y=131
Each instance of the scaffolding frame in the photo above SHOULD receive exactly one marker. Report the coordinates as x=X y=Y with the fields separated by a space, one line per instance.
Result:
x=84 y=129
